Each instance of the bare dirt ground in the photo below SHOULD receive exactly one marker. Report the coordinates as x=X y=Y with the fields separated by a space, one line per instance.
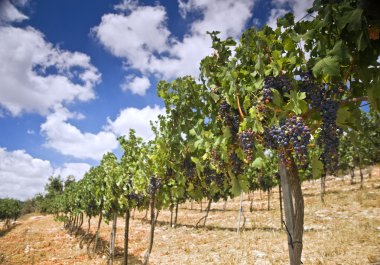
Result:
x=346 y=230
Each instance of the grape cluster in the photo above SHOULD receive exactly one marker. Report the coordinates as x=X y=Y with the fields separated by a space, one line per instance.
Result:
x=230 y=117
x=138 y=198
x=329 y=135
x=281 y=83
x=246 y=143
x=154 y=184
x=212 y=176
x=189 y=167
x=316 y=94
x=267 y=95
x=291 y=136
x=236 y=163
x=326 y=100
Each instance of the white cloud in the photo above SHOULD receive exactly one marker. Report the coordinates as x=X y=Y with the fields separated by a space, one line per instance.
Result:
x=21 y=175
x=37 y=76
x=137 y=119
x=298 y=8
x=141 y=38
x=127 y=5
x=74 y=169
x=137 y=85
x=215 y=13
x=274 y=15
x=136 y=36
x=69 y=140
x=9 y=13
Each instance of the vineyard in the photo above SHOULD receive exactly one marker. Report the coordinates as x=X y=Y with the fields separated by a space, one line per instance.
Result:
x=339 y=232
x=233 y=173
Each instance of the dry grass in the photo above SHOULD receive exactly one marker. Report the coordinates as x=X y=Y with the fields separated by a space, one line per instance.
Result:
x=346 y=230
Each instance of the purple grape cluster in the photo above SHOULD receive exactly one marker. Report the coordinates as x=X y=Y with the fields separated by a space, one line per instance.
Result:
x=281 y=83
x=230 y=117
x=154 y=185
x=236 y=163
x=246 y=143
x=329 y=135
x=291 y=135
x=267 y=95
x=212 y=176
x=189 y=167
x=326 y=99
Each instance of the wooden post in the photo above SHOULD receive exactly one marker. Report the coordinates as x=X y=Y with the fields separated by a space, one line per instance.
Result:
x=323 y=187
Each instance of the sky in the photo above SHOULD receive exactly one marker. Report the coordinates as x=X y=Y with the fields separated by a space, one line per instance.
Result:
x=75 y=75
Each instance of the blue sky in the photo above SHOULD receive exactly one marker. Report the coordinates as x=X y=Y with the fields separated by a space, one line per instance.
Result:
x=75 y=75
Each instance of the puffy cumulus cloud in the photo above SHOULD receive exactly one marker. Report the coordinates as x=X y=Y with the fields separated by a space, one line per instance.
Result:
x=136 y=36
x=72 y=169
x=9 y=12
x=281 y=7
x=137 y=119
x=69 y=140
x=148 y=46
x=37 y=76
x=21 y=175
x=215 y=13
x=137 y=85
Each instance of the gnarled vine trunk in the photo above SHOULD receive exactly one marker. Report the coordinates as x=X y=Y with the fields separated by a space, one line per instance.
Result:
x=176 y=214
x=352 y=173
x=204 y=218
x=126 y=235
x=152 y=226
x=294 y=209
x=113 y=238
x=280 y=199
x=97 y=231
x=361 y=177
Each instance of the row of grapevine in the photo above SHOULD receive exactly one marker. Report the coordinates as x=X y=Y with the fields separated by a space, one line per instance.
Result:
x=277 y=103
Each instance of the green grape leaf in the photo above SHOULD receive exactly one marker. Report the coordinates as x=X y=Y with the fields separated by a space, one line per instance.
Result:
x=343 y=117
x=351 y=18
x=258 y=163
x=277 y=98
x=327 y=66
x=341 y=51
x=286 y=21
x=374 y=94
x=297 y=104
x=235 y=187
x=317 y=167
x=214 y=96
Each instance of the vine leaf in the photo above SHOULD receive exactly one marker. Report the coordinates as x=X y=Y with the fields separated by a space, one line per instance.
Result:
x=352 y=19
x=343 y=117
x=258 y=163
x=317 y=167
x=297 y=104
x=341 y=52
x=374 y=95
x=277 y=98
x=327 y=66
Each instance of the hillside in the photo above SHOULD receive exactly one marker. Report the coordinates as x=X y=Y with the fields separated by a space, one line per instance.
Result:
x=346 y=230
